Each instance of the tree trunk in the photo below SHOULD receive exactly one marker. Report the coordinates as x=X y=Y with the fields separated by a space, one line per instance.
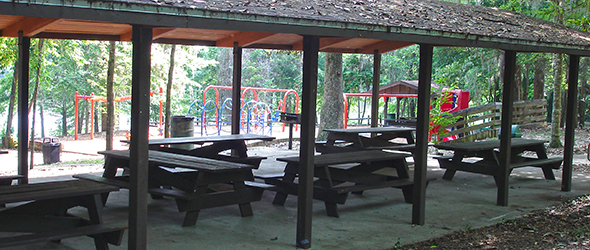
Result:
x=539 y=78
x=525 y=83
x=42 y=119
x=555 y=141
x=168 y=92
x=33 y=105
x=110 y=124
x=32 y=144
x=582 y=90
x=497 y=93
x=332 y=113
x=64 y=118
x=8 y=140
x=517 y=87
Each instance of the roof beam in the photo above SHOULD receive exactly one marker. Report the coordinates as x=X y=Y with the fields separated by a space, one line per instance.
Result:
x=30 y=26
x=384 y=46
x=326 y=43
x=244 y=38
x=157 y=33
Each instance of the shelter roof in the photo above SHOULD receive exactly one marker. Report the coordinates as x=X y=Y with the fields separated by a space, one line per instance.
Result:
x=353 y=26
x=402 y=87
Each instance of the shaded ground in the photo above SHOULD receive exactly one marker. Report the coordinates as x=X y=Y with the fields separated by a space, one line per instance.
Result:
x=565 y=226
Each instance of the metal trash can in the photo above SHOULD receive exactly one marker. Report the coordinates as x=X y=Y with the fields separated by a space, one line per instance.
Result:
x=51 y=150
x=182 y=126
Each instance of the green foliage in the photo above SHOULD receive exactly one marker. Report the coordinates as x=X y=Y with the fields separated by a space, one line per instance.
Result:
x=440 y=119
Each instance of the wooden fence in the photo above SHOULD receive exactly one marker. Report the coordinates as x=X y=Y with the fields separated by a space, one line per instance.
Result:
x=483 y=122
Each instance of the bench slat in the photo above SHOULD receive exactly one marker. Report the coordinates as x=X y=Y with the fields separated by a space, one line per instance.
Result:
x=52 y=190
x=90 y=230
x=100 y=179
x=172 y=160
x=350 y=157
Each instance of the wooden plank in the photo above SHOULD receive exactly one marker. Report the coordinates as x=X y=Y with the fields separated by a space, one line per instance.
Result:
x=99 y=179
x=187 y=161
x=206 y=139
x=350 y=157
x=486 y=145
x=371 y=130
x=52 y=190
x=66 y=233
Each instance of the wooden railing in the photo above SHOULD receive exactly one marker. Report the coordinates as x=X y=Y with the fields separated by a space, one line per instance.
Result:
x=483 y=122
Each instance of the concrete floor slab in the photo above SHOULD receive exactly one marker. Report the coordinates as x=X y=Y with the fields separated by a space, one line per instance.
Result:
x=378 y=219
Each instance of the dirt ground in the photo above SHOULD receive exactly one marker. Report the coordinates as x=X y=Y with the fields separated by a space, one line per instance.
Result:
x=565 y=226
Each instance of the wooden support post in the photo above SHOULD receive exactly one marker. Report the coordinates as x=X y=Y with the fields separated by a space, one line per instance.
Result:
x=24 y=44
x=506 y=127
x=138 y=148
x=306 y=152
x=570 y=122
x=421 y=151
x=375 y=93
x=236 y=89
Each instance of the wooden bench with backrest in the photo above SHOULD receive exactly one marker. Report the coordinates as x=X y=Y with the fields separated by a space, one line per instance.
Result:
x=45 y=216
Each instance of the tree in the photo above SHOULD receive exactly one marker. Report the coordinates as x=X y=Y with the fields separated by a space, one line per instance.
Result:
x=169 y=92
x=110 y=96
x=332 y=113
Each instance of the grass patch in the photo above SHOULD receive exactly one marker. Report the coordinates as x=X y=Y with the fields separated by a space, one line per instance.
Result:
x=83 y=161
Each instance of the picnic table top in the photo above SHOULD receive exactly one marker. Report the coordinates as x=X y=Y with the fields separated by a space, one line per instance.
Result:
x=487 y=145
x=205 y=139
x=349 y=157
x=371 y=130
x=52 y=190
x=185 y=161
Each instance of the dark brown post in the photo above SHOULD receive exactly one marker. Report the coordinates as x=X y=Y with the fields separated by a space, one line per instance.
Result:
x=24 y=44
x=570 y=122
x=236 y=90
x=138 y=148
x=506 y=127
x=375 y=94
x=421 y=151
x=306 y=152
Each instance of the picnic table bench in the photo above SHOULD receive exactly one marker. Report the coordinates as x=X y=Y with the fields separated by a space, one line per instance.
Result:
x=194 y=182
x=212 y=147
x=482 y=157
x=7 y=180
x=373 y=138
x=339 y=174
x=45 y=217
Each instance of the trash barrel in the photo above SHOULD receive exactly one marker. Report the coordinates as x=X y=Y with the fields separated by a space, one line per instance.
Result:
x=51 y=150
x=515 y=133
x=182 y=126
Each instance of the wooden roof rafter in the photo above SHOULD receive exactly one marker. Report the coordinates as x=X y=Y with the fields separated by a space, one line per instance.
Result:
x=30 y=26
x=244 y=38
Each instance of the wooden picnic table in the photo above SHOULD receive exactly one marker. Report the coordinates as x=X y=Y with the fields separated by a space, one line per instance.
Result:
x=195 y=182
x=339 y=174
x=212 y=147
x=486 y=160
x=367 y=138
x=44 y=217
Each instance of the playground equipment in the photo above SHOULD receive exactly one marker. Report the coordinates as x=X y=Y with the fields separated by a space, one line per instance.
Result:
x=384 y=96
x=255 y=116
x=92 y=99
